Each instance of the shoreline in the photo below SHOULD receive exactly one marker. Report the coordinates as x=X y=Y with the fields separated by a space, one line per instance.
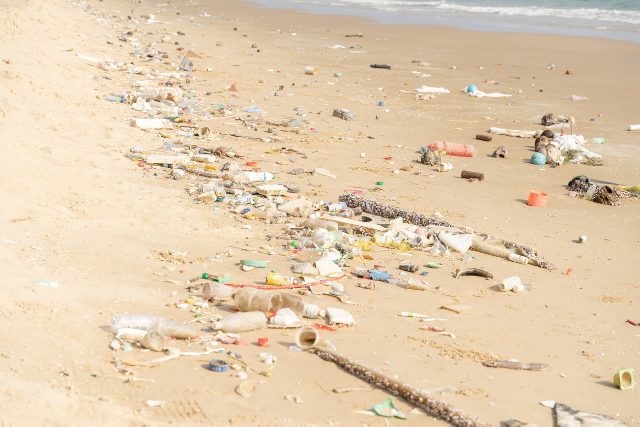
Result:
x=478 y=22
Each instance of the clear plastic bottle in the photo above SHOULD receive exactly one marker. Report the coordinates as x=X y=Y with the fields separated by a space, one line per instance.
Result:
x=242 y=322
x=147 y=322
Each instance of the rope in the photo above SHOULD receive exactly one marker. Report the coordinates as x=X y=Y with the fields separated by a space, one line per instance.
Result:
x=277 y=288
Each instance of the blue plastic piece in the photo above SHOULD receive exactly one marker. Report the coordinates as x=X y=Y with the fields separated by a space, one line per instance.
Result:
x=380 y=275
x=538 y=159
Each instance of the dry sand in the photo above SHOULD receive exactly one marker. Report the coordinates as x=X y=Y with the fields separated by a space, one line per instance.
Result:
x=76 y=211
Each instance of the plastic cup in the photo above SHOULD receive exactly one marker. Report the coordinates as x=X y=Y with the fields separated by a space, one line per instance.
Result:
x=263 y=342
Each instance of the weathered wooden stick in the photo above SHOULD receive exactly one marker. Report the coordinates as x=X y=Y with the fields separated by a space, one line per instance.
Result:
x=509 y=364
x=433 y=407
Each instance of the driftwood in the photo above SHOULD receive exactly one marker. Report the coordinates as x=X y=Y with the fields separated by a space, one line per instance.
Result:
x=482 y=137
x=383 y=66
x=433 y=407
x=508 y=364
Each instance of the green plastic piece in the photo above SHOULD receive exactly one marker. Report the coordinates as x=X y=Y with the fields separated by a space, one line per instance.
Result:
x=256 y=263
x=388 y=409
x=434 y=264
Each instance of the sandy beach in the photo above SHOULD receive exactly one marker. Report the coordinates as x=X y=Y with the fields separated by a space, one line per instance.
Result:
x=90 y=229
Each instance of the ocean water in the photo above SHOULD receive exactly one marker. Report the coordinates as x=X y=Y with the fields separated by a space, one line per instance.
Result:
x=616 y=19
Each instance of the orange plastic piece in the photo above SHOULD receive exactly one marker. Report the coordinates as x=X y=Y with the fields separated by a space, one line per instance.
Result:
x=537 y=198
x=453 y=149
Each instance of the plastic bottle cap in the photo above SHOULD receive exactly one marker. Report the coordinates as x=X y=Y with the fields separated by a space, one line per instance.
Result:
x=379 y=183
x=218 y=365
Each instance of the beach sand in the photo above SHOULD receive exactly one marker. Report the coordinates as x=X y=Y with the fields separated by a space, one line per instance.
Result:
x=75 y=210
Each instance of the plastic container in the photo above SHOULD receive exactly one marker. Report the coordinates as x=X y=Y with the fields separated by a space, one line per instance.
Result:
x=537 y=198
x=307 y=338
x=453 y=149
x=538 y=159
x=624 y=379
x=242 y=322
x=146 y=322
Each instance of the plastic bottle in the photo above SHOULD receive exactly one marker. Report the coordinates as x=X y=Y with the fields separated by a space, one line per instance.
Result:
x=146 y=322
x=314 y=223
x=453 y=149
x=152 y=123
x=114 y=98
x=242 y=322
x=277 y=279
x=249 y=299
